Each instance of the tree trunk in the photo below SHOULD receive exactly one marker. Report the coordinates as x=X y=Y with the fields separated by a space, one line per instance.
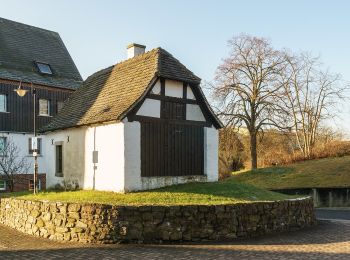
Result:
x=253 y=153
x=11 y=185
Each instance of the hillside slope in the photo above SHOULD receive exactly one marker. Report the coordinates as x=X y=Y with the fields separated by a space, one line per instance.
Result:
x=329 y=172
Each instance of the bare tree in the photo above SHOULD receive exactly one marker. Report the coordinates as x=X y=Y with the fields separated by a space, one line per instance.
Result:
x=11 y=163
x=312 y=96
x=248 y=88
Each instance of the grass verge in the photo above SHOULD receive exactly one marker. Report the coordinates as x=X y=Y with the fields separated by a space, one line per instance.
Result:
x=329 y=172
x=223 y=192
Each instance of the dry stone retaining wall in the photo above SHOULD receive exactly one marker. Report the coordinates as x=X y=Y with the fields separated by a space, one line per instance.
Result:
x=97 y=223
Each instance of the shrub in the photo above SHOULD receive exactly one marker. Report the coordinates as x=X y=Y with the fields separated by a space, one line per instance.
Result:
x=231 y=152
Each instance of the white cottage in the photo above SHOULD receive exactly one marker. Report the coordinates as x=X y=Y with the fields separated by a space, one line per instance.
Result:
x=141 y=124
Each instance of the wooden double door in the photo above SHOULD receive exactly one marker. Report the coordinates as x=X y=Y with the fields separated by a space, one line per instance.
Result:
x=171 y=149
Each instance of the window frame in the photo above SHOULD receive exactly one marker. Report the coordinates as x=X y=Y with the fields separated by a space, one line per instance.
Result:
x=59 y=160
x=5 y=103
x=58 y=104
x=39 y=63
x=4 y=185
x=5 y=142
x=31 y=184
x=48 y=107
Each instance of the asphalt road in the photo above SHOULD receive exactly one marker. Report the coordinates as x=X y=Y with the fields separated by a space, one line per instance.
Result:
x=333 y=213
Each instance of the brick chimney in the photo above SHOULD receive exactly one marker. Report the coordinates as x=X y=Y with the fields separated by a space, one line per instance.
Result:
x=135 y=49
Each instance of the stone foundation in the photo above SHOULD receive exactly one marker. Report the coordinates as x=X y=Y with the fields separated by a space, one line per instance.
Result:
x=148 y=183
x=95 y=223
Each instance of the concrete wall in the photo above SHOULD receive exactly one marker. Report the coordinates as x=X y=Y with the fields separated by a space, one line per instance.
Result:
x=211 y=153
x=148 y=183
x=95 y=223
x=323 y=197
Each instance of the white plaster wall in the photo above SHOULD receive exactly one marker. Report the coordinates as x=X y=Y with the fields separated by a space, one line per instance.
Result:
x=150 y=107
x=132 y=144
x=194 y=112
x=173 y=88
x=211 y=153
x=21 y=141
x=190 y=94
x=109 y=142
x=119 y=162
x=73 y=145
x=156 y=88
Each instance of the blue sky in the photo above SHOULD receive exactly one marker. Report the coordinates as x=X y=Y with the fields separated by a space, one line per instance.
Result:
x=196 y=32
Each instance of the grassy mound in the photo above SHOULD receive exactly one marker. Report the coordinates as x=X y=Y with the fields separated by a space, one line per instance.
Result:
x=329 y=172
x=223 y=192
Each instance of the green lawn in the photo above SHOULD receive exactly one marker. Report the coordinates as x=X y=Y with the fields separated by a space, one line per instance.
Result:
x=222 y=192
x=329 y=172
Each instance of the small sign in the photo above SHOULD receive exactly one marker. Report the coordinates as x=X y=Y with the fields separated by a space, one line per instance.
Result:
x=34 y=143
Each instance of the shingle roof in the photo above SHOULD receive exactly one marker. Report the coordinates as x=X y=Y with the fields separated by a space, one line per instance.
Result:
x=108 y=94
x=21 y=45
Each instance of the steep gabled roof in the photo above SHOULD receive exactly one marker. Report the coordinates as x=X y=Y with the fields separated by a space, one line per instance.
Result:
x=21 y=45
x=109 y=94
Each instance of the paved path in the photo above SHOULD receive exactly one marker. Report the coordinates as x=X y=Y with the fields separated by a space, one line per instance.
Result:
x=328 y=240
x=333 y=213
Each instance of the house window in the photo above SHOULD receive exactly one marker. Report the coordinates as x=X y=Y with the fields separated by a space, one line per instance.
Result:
x=2 y=144
x=2 y=185
x=59 y=105
x=44 y=68
x=30 y=150
x=44 y=107
x=31 y=184
x=59 y=161
x=3 y=103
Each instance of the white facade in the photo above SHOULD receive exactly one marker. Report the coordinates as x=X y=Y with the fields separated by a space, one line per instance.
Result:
x=21 y=142
x=119 y=158
x=118 y=146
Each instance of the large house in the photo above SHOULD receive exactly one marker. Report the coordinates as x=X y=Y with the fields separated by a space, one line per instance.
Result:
x=143 y=123
x=39 y=60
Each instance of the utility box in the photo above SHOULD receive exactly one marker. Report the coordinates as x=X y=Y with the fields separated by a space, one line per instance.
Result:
x=94 y=156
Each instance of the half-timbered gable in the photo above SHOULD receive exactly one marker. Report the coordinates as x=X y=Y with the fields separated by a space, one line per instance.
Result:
x=149 y=122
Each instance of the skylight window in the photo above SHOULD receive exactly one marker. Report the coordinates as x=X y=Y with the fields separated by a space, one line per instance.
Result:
x=44 y=68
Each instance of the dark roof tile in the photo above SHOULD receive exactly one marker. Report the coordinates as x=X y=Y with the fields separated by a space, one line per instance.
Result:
x=21 y=45
x=108 y=94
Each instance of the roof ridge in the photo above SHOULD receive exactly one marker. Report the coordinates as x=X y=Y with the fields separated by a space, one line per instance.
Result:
x=100 y=72
x=27 y=25
x=134 y=59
